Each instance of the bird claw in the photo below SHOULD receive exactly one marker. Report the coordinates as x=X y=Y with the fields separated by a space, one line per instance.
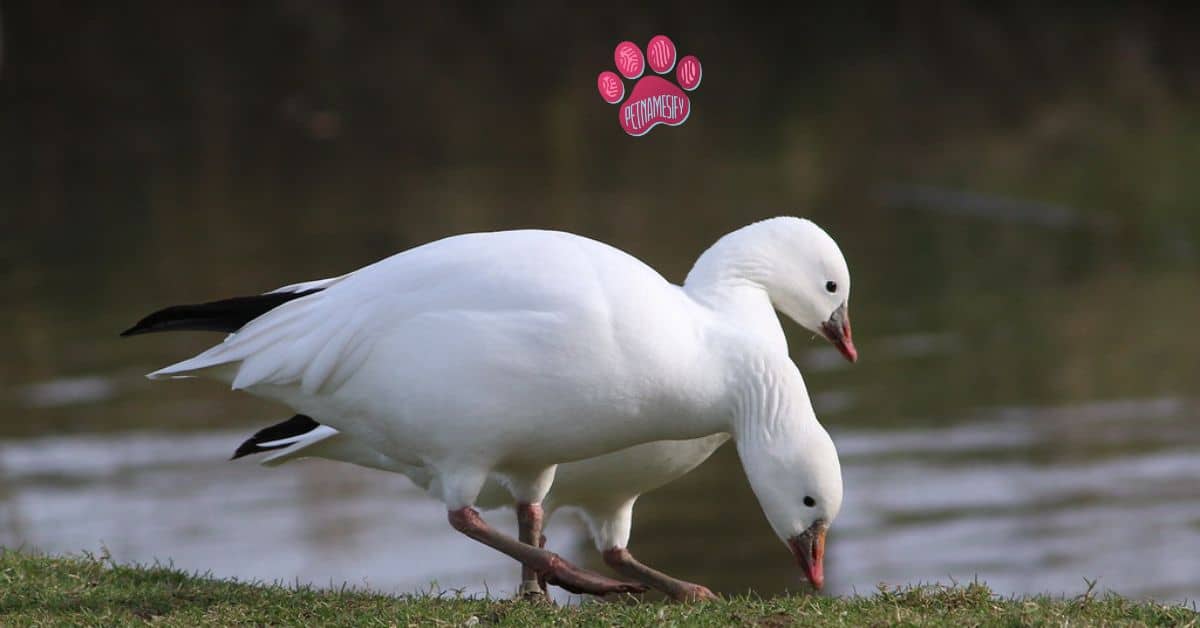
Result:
x=694 y=593
x=531 y=590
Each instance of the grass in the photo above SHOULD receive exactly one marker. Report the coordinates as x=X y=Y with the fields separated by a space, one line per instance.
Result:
x=85 y=590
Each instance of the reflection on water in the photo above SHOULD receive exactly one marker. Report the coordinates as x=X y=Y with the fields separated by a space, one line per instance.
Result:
x=985 y=498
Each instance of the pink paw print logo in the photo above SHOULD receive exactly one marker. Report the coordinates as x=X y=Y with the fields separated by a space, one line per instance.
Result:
x=655 y=100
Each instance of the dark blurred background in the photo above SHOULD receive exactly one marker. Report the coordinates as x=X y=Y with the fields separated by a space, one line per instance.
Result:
x=1014 y=189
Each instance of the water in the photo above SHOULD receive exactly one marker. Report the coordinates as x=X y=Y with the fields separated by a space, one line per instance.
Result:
x=1024 y=298
x=943 y=504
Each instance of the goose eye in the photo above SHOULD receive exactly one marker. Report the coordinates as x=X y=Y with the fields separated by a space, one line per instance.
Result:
x=808 y=501
x=831 y=286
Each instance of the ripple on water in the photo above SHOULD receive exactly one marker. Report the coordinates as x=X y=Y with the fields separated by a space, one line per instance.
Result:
x=68 y=391
x=984 y=498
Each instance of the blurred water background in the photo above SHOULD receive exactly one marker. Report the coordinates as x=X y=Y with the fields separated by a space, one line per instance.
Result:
x=1015 y=190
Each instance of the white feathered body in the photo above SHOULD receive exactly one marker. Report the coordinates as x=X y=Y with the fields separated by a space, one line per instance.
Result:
x=507 y=351
x=602 y=489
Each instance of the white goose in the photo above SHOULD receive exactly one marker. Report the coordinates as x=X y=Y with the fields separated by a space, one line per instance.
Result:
x=504 y=354
x=602 y=490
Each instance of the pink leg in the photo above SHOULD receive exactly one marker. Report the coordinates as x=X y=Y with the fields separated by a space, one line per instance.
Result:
x=529 y=525
x=556 y=570
x=625 y=564
x=541 y=578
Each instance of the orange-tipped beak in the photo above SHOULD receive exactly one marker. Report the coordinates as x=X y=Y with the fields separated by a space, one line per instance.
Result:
x=837 y=330
x=809 y=550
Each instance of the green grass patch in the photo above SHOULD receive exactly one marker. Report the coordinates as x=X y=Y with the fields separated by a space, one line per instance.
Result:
x=85 y=590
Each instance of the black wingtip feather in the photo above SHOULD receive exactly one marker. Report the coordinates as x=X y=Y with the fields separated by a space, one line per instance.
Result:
x=226 y=315
x=295 y=426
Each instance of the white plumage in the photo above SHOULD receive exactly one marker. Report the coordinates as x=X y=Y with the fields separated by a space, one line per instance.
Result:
x=602 y=489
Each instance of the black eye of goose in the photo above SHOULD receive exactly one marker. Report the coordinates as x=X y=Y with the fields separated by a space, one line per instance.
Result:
x=810 y=502
x=831 y=286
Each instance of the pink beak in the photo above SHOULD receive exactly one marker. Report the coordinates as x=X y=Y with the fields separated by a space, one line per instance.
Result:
x=837 y=331
x=809 y=550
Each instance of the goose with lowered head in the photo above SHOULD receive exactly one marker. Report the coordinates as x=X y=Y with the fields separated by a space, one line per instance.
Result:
x=602 y=490
x=504 y=354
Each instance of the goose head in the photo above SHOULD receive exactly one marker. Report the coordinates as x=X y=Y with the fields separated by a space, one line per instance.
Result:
x=796 y=263
x=808 y=280
x=793 y=468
